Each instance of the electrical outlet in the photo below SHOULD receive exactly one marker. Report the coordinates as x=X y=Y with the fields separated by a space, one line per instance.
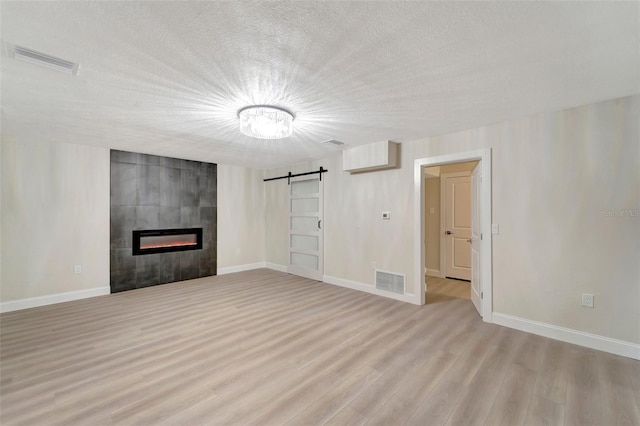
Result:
x=587 y=300
x=77 y=269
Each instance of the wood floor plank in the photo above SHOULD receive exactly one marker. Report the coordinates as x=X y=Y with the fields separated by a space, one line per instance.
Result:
x=347 y=416
x=266 y=348
x=531 y=352
x=634 y=367
x=513 y=398
x=479 y=395
x=283 y=407
x=542 y=411
x=553 y=375
x=399 y=409
x=437 y=408
x=620 y=402
x=584 y=404
x=459 y=289
x=329 y=404
x=392 y=378
x=469 y=361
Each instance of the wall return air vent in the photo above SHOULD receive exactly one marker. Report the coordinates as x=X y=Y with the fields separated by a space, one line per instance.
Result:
x=38 y=58
x=389 y=281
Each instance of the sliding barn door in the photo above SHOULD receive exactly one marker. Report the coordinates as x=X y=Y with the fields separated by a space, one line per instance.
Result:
x=305 y=227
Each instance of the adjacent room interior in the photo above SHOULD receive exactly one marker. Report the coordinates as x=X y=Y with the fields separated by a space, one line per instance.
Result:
x=320 y=213
x=447 y=223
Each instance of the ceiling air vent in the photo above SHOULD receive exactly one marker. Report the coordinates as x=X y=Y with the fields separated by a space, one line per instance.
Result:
x=38 y=58
x=332 y=142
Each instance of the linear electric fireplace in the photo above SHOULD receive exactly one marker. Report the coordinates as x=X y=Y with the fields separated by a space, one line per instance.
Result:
x=166 y=240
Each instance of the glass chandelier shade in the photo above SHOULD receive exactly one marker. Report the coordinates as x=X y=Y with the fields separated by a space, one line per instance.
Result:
x=265 y=122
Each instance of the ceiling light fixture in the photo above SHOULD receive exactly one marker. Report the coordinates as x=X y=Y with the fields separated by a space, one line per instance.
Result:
x=265 y=122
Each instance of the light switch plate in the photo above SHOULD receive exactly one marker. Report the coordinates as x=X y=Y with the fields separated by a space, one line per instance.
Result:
x=495 y=229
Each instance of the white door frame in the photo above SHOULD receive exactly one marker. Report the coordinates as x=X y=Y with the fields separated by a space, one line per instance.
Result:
x=486 y=260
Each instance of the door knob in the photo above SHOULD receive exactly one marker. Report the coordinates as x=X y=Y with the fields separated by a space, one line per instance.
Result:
x=448 y=232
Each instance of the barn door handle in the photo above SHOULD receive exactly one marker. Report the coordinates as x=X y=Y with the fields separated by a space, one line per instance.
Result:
x=319 y=224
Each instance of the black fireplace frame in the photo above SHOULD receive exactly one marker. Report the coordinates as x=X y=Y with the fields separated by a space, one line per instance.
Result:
x=138 y=234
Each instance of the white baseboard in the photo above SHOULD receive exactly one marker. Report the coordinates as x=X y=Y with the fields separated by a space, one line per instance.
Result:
x=593 y=341
x=276 y=267
x=34 y=302
x=355 y=285
x=434 y=273
x=241 y=268
x=250 y=266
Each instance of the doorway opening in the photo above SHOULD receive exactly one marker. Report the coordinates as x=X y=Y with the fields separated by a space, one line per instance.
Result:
x=448 y=220
x=462 y=245
x=447 y=224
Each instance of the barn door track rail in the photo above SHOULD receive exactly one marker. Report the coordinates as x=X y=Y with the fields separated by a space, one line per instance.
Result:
x=289 y=175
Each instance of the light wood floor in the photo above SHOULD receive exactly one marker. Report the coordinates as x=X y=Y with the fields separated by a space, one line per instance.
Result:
x=266 y=348
x=444 y=289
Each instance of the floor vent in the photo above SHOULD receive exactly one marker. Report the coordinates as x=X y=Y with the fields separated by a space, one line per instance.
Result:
x=389 y=281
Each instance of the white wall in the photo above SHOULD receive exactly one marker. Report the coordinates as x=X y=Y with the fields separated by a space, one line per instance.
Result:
x=562 y=183
x=355 y=234
x=55 y=214
x=241 y=232
x=556 y=177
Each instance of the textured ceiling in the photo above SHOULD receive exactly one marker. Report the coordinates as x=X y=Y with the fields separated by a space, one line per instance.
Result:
x=168 y=78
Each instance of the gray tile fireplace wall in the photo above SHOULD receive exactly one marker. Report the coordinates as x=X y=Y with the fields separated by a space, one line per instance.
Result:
x=151 y=192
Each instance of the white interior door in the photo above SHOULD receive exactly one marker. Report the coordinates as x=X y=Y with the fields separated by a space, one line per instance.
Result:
x=457 y=224
x=305 y=227
x=476 y=282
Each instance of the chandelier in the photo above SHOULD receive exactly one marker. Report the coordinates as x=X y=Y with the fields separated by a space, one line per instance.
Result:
x=265 y=122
